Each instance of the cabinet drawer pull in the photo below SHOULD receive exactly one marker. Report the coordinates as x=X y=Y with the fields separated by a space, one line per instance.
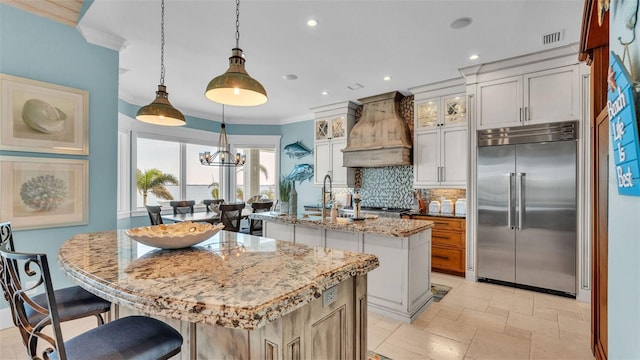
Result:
x=441 y=257
x=440 y=237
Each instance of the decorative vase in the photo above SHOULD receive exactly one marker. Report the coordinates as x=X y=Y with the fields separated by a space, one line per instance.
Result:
x=284 y=207
x=293 y=200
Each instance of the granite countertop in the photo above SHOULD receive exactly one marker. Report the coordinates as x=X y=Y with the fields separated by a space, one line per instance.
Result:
x=232 y=280
x=380 y=226
x=458 y=216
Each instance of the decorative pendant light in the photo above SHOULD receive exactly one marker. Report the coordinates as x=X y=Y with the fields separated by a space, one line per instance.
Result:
x=222 y=156
x=235 y=87
x=160 y=111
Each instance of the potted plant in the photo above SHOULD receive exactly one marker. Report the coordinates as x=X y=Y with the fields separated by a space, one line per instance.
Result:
x=285 y=190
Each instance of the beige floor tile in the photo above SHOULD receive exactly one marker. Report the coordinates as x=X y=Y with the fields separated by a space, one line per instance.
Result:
x=497 y=311
x=451 y=312
x=373 y=318
x=466 y=301
x=430 y=312
x=388 y=324
x=580 y=327
x=573 y=314
x=517 y=332
x=453 y=330
x=474 y=291
x=375 y=336
x=586 y=313
x=550 y=348
x=483 y=320
x=491 y=345
x=533 y=324
x=563 y=303
x=395 y=352
x=495 y=287
x=545 y=300
x=420 y=323
x=583 y=340
x=513 y=302
x=543 y=312
x=424 y=343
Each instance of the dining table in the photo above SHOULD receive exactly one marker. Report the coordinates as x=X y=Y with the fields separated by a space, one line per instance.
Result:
x=209 y=216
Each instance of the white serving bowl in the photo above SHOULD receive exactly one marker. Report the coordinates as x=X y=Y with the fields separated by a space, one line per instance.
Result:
x=174 y=236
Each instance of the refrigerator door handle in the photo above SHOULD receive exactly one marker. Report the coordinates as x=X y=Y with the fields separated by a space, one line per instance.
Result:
x=509 y=204
x=520 y=196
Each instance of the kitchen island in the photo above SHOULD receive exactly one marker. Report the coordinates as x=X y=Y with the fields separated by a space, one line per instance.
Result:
x=401 y=287
x=233 y=295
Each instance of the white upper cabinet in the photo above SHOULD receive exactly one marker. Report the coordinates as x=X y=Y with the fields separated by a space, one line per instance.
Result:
x=440 y=135
x=533 y=98
x=331 y=128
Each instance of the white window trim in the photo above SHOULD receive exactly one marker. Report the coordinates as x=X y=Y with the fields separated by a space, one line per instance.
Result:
x=134 y=128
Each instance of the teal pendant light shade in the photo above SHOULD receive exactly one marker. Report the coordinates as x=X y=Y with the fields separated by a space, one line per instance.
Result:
x=160 y=111
x=235 y=87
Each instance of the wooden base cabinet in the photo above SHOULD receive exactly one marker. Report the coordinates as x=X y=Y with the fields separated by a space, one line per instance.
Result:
x=448 y=244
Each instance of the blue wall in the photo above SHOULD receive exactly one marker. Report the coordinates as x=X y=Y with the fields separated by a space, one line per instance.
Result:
x=208 y=125
x=40 y=49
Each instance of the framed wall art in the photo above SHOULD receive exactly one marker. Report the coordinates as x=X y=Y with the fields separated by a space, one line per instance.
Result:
x=40 y=117
x=43 y=192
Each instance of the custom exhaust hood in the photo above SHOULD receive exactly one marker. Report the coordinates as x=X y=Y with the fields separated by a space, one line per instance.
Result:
x=381 y=137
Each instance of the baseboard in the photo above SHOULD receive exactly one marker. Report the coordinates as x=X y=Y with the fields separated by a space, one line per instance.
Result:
x=5 y=318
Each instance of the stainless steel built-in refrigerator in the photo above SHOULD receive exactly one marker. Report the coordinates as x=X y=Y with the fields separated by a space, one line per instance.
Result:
x=526 y=188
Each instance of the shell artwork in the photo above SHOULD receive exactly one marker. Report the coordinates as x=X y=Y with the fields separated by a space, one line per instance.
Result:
x=44 y=192
x=43 y=117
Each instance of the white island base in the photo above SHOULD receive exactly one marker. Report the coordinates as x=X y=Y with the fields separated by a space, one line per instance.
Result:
x=401 y=287
x=314 y=331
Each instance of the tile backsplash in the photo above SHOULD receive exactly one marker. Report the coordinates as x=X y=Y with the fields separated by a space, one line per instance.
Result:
x=390 y=186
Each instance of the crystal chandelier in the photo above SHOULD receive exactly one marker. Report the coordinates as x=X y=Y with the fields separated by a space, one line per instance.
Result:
x=222 y=156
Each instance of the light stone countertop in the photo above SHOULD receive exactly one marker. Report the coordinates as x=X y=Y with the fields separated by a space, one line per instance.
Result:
x=380 y=226
x=232 y=280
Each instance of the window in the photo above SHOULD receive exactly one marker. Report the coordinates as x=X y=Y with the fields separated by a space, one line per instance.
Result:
x=258 y=177
x=174 y=151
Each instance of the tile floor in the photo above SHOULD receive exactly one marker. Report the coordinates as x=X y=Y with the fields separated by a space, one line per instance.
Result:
x=474 y=321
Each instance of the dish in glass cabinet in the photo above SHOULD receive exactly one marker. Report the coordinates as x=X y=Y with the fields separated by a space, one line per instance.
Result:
x=174 y=236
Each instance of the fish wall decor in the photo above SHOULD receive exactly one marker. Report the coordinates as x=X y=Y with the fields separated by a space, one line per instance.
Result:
x=297 y=150
x=301 y=172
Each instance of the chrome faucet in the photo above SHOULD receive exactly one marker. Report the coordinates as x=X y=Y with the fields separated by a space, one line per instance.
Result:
x=324 y=193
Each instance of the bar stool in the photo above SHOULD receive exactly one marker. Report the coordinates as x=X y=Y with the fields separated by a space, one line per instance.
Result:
x=133 y=337
x=73 y=302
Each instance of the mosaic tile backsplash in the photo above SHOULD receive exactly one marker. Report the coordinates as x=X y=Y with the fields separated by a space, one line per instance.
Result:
x=390 y=186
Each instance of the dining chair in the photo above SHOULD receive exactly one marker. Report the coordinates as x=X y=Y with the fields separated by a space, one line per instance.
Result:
x=154 y=214
x=230 y=216
x=255 y=226
x=133 y=337
x=73 y=302
x=182 y=207
x=207 y=203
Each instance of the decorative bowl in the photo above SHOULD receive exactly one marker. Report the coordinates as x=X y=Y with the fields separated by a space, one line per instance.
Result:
x=174 y=236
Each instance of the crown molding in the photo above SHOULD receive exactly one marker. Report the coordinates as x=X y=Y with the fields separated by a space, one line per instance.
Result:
x=101 y=38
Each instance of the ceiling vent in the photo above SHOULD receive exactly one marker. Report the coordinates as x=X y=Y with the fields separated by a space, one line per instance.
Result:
x=355 y=86
x=553 y=37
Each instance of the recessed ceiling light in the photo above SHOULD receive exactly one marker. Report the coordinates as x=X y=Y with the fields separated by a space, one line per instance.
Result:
x=474 y=57
x=460 y=23
x=325 y=92
x=386 y=78
x=312 y=23
x=290 y=77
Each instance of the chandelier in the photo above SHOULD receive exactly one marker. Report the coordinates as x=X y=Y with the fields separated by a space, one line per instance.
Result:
x=236 y=87
x=160 y=111
x=222 y=156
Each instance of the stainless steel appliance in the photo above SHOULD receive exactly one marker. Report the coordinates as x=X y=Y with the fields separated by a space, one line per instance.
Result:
x=526 y=192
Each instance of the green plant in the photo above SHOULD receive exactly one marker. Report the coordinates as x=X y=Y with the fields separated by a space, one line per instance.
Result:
x=285 y=188
x=239 y=193
x=154 y=181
